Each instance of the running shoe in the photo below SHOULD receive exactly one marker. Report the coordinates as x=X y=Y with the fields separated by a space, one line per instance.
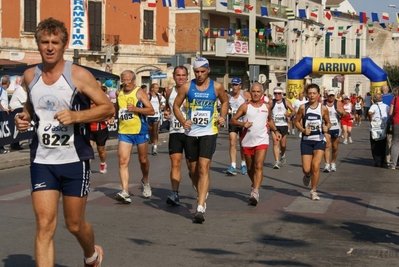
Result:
x=103 y=168
x=254 y=198
x=345 y=142
x=350 y=140
x=327 y=168
x=293 y=131
x=333 y=167
x=199 y=216
x=4 y=151
x=283 y=160
x=306 y=179
x=123 y=196
x=173 y=199
x=276 y=165
x=243 y=169
x=392 y=166
x=146 y=189
x=313 y=195
x=96 y=262
x=154 y=150
x=231 y=171
x=300 y=135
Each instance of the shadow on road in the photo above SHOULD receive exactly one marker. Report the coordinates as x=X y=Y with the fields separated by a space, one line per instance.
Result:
x=18 y=260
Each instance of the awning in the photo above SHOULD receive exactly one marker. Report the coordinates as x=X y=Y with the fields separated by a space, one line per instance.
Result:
x=9 y=64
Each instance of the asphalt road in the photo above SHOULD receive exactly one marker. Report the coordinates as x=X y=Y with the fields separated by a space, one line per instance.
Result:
x=354 y=224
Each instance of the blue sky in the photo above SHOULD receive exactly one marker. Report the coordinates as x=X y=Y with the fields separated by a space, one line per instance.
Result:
x=377 y=6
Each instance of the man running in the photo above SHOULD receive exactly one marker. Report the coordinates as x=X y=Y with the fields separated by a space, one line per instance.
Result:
x=201 y=125
x=280 y=108
x=236 y=98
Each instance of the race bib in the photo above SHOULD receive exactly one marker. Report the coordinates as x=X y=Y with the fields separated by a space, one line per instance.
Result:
x=176 y=124
x=201 y=118
x=52 y=134
x=334 y=122
x=314 y=125
x=234 y=111
x=279 y=118
x=125 y=115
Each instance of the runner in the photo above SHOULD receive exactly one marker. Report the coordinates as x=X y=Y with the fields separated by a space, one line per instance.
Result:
x=256 y=122
x=313 y=142
x=297 y=103
x=236 y=98
x=280 y=108
x=347 y=120
x=290 y=119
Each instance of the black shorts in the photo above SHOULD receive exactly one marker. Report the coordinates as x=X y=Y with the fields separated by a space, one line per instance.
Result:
x=201 y=146
x=100 y=136
x=359 y=112
x=152 y=120
x=334 y=133
x=176 y=143
x=235 y=129
x=283 y=130
x=308 y=146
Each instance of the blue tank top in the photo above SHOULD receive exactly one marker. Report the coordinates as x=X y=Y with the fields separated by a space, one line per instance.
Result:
x=202 y=110
x=313 y=118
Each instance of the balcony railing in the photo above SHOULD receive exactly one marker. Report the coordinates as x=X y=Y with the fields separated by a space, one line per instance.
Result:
x=270 y=49
x=274 y=10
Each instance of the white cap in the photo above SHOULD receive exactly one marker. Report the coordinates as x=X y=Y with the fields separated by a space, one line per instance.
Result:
x=277 y=90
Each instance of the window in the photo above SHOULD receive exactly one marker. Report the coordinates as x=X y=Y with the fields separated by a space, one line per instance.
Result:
x=357 y=48
x=327 y=47
x=343 y=45
x=148 y=25
x=95 y=25
x=30 y=19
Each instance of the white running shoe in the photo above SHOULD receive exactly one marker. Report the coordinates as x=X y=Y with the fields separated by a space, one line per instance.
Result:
x=345 y=142
x=327 y=168
x=146 y=189
x=333 y=167
x=277 y=165
x=123 y=196
x=313 y=195
x=350 y=140
x=254 y=198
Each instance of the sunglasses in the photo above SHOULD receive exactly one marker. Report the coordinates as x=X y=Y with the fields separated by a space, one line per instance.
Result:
x=277 y=93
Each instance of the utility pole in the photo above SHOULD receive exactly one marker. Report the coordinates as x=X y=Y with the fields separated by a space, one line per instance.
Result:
x=201 y=29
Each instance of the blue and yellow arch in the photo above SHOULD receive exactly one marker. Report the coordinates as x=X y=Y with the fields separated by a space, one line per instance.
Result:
x=308 y=65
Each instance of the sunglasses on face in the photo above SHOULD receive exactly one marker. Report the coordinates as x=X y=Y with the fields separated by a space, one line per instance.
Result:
x=277 y=93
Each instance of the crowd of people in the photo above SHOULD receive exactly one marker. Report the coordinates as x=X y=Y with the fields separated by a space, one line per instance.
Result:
x=195 y=108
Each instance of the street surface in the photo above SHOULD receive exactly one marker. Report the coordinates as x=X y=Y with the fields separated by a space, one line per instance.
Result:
x=354 y=224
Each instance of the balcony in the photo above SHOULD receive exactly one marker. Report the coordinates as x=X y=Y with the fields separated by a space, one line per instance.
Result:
x=274 y=10
x=270 y=49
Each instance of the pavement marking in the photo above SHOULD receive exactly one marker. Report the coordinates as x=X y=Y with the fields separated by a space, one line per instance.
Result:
x=16 y=195
x=304 y=204
x=387 y=207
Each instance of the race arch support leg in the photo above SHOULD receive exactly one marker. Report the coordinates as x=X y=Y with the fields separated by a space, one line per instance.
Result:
x=375 y=87
x=295 y=86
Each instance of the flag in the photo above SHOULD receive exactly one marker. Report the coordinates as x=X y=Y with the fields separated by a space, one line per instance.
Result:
x=209 y=2
x=340 y=30
x=362 y=17
x=245 y=32
x=385 y=16
x=167 y=3
x=397 y=29
x=238 y=32
x=268 y=31
x=290 y=14
x=348 y=27
x=215 y=32
x=237 y=8
x=230 y=32
x=302 y=13
x=221 y=33
x=249 y=7
x=328 y=15
x=181 y=4
x=337 y=13
x=223 y=4
x=275 y=10
x=152 y=3
x=374 y=17
x=314 y=14
x=371 y=27
x=397 y=17
x=260 y=34
x=330 y=28
x=383 y=25
x=195 y=2
x=206 y=32
x=352 y=14
x=263 y=11
x=136 y=1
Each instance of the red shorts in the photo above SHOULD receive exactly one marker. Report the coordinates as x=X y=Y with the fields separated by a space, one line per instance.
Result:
x=347 y=122
x=251 y=150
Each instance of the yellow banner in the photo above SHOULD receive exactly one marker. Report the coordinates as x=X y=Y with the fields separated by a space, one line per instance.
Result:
x=336 y=65
x=376 y=87
x=295 y=86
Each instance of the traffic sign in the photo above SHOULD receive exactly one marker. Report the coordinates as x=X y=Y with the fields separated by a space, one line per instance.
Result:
x=158 y=76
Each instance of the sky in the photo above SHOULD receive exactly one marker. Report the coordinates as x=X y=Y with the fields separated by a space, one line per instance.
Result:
x=377 y=6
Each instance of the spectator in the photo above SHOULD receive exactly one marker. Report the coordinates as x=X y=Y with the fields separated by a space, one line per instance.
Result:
x=18 y=100
x=4 y=107
x=394 y=111
x=367 y=105
x=378 y=111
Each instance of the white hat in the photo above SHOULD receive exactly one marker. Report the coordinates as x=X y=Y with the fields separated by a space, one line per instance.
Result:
x=277 y=90
x=201 y=62
x=331 y=92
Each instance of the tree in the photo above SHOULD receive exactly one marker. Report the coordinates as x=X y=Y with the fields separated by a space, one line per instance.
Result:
x=392 y=73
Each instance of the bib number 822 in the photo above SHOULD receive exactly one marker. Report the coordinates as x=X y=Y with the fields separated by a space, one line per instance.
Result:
x=55 y=140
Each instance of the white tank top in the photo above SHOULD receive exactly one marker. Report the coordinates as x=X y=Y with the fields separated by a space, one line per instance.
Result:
x=175 y=125
x=333 y=114
x=257 y=134
x=235 y=103
x=278 y=114
x=155 y=105
x=314 y=119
